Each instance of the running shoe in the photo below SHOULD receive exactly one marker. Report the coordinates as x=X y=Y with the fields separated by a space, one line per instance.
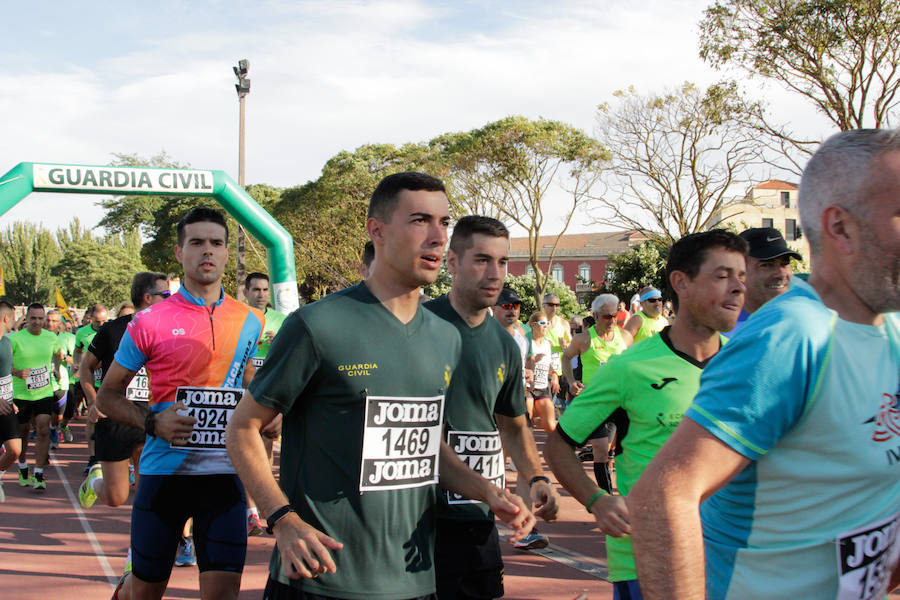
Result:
x=24 y=477
x=119 y=585
x=86 y=494
x=254 y=527
x=91 y=462
x=532 y=541
x=68 y=436
x=37 y=481
x=131 y=475
x=2 y=493
x=586 y=454
x=33 y=434
x=54 y=438
x=185 y=556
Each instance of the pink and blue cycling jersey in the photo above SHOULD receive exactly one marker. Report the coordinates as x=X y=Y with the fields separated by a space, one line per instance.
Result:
x=185 y=344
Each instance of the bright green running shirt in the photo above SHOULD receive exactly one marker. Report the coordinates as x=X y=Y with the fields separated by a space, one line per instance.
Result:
x=599 y=352
x=487 y=381
x=655 y=384
x=649 y=326
x=83 y=338
x=34 y=352
x=362 y=397
x=66 y=343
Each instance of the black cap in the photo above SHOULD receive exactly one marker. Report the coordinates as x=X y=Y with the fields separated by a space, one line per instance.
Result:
x=767 y=243
x=508 y=296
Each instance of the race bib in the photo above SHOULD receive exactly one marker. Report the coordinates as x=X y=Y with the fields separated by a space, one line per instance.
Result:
x=212 y=407
x=401 y=442
x=138 y=389
x=866 y=558
x=38 y=378
x=257 y=361
x=541 y=376
x=556 y=362
x=98 y=377
x=6 y=388
x=482 y=451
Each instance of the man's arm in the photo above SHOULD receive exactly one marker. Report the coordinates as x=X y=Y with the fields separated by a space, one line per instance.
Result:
x=519 y=442
x=664 y=505
x=632 y=325
x=304 y=549
x=457 y=477
x=609 y=511
x=576 y=348
x=170 y=425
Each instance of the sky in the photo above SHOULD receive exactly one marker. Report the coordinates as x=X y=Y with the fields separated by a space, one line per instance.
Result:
x=83 y=81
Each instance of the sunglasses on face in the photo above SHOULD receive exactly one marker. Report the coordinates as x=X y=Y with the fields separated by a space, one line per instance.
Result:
x=607 y=317
x=164 y=294
x=509 y=306
x=551 y=303
x=544 y=323
x=654 y=300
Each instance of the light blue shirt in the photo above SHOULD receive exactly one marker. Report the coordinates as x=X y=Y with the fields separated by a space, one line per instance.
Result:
x=812 y=401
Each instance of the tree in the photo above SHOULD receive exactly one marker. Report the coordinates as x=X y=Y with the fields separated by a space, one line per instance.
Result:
x=95 y=270
x=677 y=159
x=843 y=56
x=525 y=286
x=28 y=252
x=639 y=266
x=506 y=169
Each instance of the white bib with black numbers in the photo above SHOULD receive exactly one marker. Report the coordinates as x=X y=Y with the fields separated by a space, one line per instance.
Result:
x=212 y=407
x=138 y=389
x=6 y=388
x=257 y=361
x=483 y=453
x=866 y=558
x=37 y=378
x=401 y=442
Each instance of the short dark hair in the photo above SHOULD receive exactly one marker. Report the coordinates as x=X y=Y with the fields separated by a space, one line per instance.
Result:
x=386 y=193
x=689 y=253
x=35 y=305
x=144 y=283
x=368 y=254
x=201 y=214
x=6 y=307
x=252 y=276
x=468 y=226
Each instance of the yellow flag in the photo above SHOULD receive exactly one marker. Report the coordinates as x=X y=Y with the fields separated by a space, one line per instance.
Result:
x=60 y=301
x=2 y=284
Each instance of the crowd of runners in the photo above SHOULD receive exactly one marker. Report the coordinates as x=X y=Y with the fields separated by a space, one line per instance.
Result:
x=745 y=438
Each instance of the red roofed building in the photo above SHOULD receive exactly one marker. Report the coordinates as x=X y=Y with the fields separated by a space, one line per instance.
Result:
x=579 y=258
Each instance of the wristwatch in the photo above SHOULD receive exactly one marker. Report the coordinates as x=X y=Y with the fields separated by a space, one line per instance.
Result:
x=150 y=424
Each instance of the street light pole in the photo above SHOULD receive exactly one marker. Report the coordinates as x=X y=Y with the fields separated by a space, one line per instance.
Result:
x=243 y=88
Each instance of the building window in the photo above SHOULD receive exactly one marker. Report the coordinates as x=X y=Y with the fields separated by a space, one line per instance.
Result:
x=790 y=229
x=768 y=223
x=584 y=272
x=786 y=199
x=557 y=272
x=529 y=270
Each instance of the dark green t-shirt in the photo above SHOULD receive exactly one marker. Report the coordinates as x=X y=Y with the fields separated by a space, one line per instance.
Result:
x=362 y=399
x=6 y=385
x=487 y=381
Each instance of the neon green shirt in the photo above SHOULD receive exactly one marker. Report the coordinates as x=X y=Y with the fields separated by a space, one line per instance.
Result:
x=274 y=319
x=650 y=326
x=34 y=352
x=83 y=339
x=66 y=343
x=599 y=352
x=655 y=384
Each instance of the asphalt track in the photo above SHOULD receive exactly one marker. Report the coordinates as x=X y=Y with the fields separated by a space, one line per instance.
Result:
x=51 y=548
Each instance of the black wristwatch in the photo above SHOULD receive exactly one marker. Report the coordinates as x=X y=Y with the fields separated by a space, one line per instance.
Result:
x=150 y=424
x=276 y=516
x=538 y=478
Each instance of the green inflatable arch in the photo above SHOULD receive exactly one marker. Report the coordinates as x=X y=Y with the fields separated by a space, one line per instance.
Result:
x=27 y=177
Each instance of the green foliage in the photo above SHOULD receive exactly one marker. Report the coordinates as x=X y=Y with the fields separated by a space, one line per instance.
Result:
x=92 y=270
x=841 y=55
x=525 y=286
x=28 y=252
x=441 y=285
x=639 y=266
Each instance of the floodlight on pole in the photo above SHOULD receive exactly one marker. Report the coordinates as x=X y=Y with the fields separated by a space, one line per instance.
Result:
x=243 y=88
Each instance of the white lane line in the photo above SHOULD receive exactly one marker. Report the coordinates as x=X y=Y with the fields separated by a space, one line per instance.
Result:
x=570 y=558
x=98 y=551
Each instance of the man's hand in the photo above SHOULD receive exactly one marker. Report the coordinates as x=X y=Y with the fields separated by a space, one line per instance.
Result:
x=529 y=377
x=94 y=413
x=545 y=500
x=269 y=336
x=21 y=373
x=173 y=427
x=510 y=509
x=273 y=429
x=576 y=387
x=612 y=515
x=7 y=408
x=303 y=548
